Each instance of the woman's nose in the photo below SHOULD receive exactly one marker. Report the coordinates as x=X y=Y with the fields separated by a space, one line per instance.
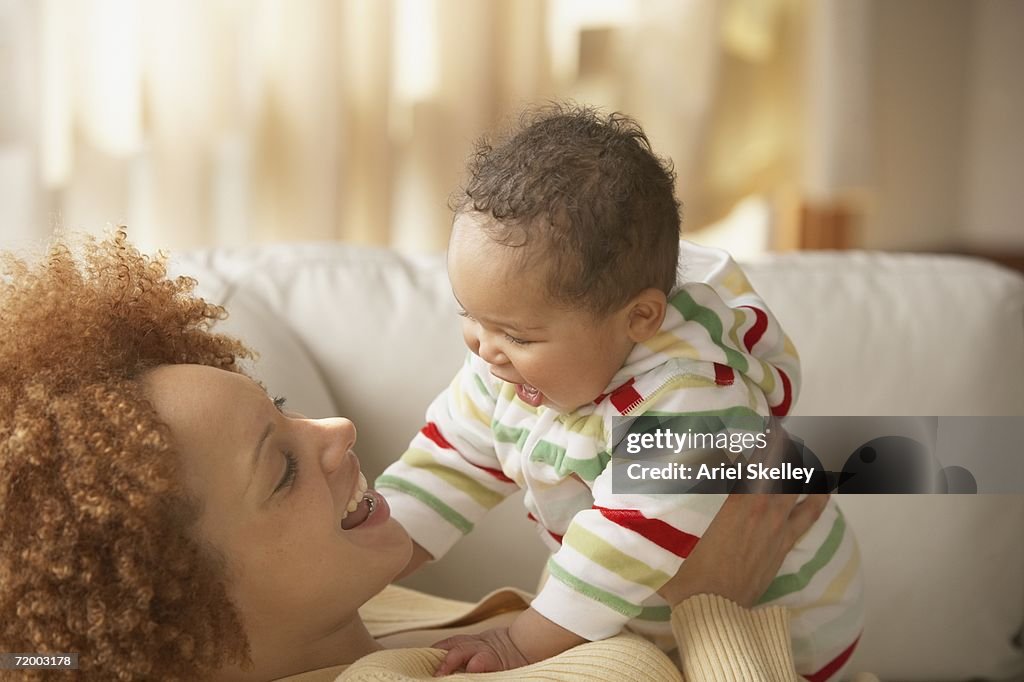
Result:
x=339 y=436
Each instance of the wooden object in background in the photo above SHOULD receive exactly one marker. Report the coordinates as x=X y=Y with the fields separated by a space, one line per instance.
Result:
x=825 y=226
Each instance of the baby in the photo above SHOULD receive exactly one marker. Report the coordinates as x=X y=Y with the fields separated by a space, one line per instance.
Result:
x=563 y=259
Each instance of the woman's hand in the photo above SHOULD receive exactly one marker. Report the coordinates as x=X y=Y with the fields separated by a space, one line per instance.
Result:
x=744 y=546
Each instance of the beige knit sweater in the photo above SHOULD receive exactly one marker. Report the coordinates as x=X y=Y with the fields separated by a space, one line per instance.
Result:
x=719 y=641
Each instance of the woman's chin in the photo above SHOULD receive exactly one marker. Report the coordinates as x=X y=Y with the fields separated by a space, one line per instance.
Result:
x=407 y=554
x=391 y=547
x=392 y=561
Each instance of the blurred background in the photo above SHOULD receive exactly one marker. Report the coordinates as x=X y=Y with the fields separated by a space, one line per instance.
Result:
x=881 y=124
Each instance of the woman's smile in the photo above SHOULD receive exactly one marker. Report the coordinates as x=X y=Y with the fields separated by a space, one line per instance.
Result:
x=372 y=510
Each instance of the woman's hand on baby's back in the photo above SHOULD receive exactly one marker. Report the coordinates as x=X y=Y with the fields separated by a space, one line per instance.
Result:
x=743 y=548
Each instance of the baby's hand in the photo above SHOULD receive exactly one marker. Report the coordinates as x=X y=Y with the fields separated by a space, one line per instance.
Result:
x=489 y=651
x=530 y=638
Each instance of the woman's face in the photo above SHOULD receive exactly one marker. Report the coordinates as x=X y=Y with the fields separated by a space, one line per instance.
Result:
x=275 y=488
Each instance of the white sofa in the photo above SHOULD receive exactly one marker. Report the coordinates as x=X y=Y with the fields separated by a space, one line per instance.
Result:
x=373 y=335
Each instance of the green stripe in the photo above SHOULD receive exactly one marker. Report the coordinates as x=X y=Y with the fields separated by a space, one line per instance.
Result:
x=509 y=434
x=480 y=386
x=659 y=614
x=554 y=455
x=596 y=593
x=793 y=582
x=707 y=318
x=551 y=454
x=447 y=513
x=424 y=461
x=604 y=554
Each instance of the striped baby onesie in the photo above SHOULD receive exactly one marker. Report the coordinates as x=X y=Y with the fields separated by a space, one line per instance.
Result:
x=719 y=350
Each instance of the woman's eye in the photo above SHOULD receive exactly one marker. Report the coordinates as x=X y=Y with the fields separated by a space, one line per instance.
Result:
x=291 y=468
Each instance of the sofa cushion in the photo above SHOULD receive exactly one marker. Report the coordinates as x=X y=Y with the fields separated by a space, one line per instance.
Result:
x=899 y=334
x=902 y=334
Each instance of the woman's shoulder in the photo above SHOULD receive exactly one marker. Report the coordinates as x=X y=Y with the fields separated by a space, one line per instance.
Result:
x=399 y=609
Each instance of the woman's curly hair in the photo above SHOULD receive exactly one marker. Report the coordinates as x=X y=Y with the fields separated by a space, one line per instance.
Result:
x=96 y=554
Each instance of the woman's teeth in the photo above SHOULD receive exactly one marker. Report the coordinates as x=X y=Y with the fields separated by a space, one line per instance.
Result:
x=357 y=496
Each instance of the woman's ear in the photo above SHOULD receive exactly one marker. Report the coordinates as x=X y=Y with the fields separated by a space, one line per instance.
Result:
x=646 y=311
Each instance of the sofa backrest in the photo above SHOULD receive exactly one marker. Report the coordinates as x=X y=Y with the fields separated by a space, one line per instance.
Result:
x=373 y=334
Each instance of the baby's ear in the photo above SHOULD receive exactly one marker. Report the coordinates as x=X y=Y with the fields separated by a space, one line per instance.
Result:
x=646 y=311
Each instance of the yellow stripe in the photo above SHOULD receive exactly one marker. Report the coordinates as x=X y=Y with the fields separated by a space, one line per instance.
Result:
x=790 y=349
x=738 y=318
x=668 y=345
x=591 y=426
x=767 y=381
x=464 y=403
x=424 y=461
x=605 y=554
x=736 y=282
x=837 y=588
x=688 y=380
x=753 y=393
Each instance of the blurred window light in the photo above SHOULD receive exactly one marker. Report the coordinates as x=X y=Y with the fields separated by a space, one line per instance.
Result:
x=568 y=18
x=415 y=70
x=56 y=149
x=749 y=28
x=745 y=233
x=110 y=85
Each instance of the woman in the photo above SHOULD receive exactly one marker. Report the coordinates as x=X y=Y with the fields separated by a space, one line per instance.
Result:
x=165 y=518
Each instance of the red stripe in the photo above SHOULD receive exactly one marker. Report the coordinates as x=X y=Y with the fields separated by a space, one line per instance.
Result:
x=625 y=396
x=556 y=536
x=724 y=375
x=497 y=473
x=754 y=334
x=655 y=530
x=434 y=434
x=782 y=408
x=834 y=665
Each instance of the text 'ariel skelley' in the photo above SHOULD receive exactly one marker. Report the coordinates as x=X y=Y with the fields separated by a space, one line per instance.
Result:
x=751 y=471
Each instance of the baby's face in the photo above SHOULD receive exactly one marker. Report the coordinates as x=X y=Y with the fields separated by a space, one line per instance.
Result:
x=560 y=358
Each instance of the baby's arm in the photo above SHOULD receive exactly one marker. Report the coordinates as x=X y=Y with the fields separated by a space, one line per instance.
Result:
x=450 y=476
x=530 y=638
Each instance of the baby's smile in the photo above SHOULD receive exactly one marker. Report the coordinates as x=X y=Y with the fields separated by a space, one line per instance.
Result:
x=529 y=395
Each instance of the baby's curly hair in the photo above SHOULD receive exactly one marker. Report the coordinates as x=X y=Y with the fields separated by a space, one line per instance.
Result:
x=96 y=555
x=584 y=192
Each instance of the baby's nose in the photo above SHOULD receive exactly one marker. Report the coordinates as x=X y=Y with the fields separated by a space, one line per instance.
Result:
x=491 y=353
